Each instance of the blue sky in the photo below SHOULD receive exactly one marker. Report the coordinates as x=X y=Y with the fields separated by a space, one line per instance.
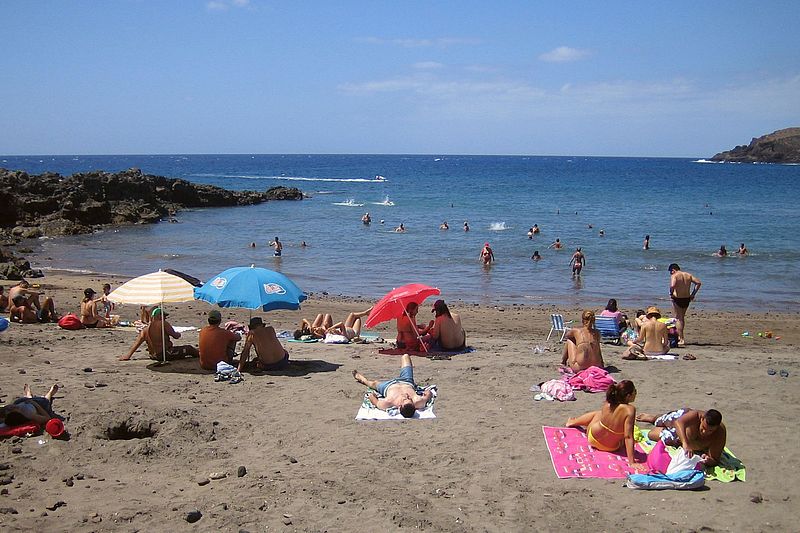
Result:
x=448 y=77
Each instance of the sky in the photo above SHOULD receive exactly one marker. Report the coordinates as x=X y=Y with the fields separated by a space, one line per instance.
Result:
x=624 y=78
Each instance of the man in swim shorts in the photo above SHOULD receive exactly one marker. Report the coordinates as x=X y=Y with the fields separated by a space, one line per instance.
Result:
x=270 y=354
x=278 y=246
x=695 y=431
x=401 y=392
x=152 y=335
x=216 y=344
x=682 y=289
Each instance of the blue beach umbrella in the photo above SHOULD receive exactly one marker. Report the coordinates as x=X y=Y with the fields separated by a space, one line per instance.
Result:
x=251 y=288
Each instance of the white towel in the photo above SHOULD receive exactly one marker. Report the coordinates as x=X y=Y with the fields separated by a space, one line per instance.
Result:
x=367 y=411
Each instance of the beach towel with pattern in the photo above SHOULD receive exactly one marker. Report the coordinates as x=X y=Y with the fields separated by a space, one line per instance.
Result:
x=572 y=456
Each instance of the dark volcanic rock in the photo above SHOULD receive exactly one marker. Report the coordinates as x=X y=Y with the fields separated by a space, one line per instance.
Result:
x=782 y=146
x=54 y=205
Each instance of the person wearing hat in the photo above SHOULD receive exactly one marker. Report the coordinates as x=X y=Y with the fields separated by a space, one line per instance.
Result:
x=487 y=255
x=89 y=316
x=157 y=329
x=216 y=344
x=653 y=337
x=270 y=354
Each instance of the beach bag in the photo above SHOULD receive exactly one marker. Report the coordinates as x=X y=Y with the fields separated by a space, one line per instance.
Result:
x=70 y=321
x=658 y=459
x=681 y=462
x=684 y=480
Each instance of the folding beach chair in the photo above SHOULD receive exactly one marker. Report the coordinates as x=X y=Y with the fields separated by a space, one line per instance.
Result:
x=608 y=328
x=558 y=326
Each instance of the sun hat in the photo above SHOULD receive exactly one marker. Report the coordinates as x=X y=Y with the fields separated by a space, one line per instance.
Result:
x=653 y=310
x=54 y=427
x=256 y=321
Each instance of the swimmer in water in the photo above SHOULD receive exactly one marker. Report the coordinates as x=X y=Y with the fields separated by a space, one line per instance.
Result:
x=646 y=245
x=366 y=219
x=466 y=226
x=400 y=229
x=743 y=250
x=722 y=252
x=278 y=246
x=556 y=245
x=536 y=256
x=444 y=225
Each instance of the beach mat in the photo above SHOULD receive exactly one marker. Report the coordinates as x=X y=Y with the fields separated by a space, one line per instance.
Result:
x=730 y=468
x=403 y=351
x=306 y=341
x=572 y=456
x=367 y=411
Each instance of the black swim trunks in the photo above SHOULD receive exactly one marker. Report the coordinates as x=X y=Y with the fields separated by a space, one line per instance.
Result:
x=683 y=303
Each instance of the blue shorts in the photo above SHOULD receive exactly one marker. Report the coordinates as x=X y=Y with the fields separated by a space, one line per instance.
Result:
x=406 y=376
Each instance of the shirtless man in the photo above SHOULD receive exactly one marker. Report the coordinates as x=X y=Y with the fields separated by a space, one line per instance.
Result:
x=695 y=431
x=408 y=332
x=278 y=246
x=743 y=250
x=351 y=327
x=653 y=337
x=23 y=312
x=151 y=335
x=444 y=226
x=582 y=345
x=366 y=219
x=401 y=393
x=556 y=245
x=682 y=289
x=466 y=226
x=577 y=262
x=23 y=289
x=487 y=255
x=446 y=331
x=270 y=354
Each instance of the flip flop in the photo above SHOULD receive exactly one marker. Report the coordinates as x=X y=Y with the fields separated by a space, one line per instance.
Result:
x=689 y=357
x=771 y=371
x=784 y=373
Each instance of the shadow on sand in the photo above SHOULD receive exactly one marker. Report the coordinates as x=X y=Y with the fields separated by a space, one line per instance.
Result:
x=297 y=367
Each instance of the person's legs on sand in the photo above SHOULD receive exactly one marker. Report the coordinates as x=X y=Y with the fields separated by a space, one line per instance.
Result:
x=371 y=383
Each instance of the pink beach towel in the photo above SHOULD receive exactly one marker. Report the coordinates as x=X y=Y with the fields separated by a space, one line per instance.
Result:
x=593 y=379
x=573 y=457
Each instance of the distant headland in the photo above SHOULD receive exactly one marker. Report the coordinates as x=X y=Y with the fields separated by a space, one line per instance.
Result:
x=782 y=146
x=52 y=205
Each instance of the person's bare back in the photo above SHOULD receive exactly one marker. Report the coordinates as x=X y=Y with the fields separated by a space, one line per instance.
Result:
x=267 y=346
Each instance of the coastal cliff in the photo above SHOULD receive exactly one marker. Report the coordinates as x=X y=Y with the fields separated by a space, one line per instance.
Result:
x=53 y=205
x=782 y=146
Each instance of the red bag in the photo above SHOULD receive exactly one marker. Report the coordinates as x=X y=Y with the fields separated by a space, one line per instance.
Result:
x=70 y=321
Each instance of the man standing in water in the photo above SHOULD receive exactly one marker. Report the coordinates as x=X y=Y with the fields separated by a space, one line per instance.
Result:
x=577 y=262
x=278 y=245
x=682 y=289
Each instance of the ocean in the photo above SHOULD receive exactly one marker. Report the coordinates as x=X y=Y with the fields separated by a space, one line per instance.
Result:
x=689 y=208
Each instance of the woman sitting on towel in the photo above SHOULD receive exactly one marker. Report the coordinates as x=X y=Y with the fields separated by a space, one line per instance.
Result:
x=611 y=426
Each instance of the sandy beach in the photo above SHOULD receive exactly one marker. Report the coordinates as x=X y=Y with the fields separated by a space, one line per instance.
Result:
x=481 y=465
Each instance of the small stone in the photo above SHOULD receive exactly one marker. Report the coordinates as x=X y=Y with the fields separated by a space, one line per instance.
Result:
x=217 y=475
x=292 y=460
x=6 y=480
x=96 y=519
x=47 y=362
x=241 y=471
x=79 y=476
x=5 y=491
x=203 y=481
x=99 y=384
x=16 y=449
x=56 y=505
x=192 y=397
x=5 y=466
x=8 y=510
x=69 y=482
x=340 y=502
x=42 y=479
x=756 y=497
x=287 y=521
x=88 y=385
x=88 y=369
x=22 y=371
x=193 y=516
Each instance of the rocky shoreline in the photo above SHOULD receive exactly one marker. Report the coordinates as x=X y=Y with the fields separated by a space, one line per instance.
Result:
x=53 y=205
x=782 y=146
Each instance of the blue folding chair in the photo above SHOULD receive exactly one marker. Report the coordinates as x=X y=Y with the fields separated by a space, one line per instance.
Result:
x=558 y=326
x=608 y=328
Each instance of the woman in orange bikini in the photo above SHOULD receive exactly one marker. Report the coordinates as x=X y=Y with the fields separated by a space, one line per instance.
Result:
x=611 y=426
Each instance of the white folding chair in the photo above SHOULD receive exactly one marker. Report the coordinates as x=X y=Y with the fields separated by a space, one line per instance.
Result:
x=558 y=326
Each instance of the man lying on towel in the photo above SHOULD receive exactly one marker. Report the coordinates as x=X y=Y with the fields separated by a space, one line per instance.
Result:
x=695 y=431
x=400 y=392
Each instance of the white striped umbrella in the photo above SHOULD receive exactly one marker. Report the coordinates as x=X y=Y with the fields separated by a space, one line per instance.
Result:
x=151 y=289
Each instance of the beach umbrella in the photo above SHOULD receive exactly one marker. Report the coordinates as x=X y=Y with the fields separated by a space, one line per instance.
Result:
x=393 y=304
x=251 y=288
x=156 y=288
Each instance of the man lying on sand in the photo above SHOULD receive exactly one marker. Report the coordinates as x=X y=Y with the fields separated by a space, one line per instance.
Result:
x=400 y=392
x=270 y=354
x=151 y=335
x=696 y=431
x=582 y=345
x=653 y=337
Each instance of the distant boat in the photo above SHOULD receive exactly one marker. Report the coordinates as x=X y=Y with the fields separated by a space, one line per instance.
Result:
x=349 y=203
x=379 y=178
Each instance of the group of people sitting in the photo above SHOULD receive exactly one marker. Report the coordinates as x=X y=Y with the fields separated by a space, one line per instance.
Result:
x=96 y=312
x=216 y=344
x=24 y=305
x=611 y=427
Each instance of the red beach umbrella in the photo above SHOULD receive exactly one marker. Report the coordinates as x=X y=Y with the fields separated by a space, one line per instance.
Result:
x=393 y=305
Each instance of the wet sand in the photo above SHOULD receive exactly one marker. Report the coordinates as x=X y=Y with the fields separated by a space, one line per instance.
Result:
x=482 y=465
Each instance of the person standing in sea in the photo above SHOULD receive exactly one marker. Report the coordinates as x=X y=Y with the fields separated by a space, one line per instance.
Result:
x=487 y=255
x=646 y=245
x=577 y=262
x=683 y=288
x=278 y=246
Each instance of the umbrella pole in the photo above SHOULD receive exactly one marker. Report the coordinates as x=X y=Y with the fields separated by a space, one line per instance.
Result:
x=163 y=337
x=419 y=338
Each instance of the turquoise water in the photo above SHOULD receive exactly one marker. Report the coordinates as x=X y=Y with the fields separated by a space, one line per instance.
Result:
x=688 y=208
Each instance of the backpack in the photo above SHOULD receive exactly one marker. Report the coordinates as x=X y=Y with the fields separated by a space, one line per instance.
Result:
x=70 y=321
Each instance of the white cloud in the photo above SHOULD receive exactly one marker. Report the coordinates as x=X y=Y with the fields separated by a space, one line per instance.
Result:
x=564 y=54
x=427 y=65
x=441 y=42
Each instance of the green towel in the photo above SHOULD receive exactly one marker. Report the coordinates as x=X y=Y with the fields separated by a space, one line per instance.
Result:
x=729 y=468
